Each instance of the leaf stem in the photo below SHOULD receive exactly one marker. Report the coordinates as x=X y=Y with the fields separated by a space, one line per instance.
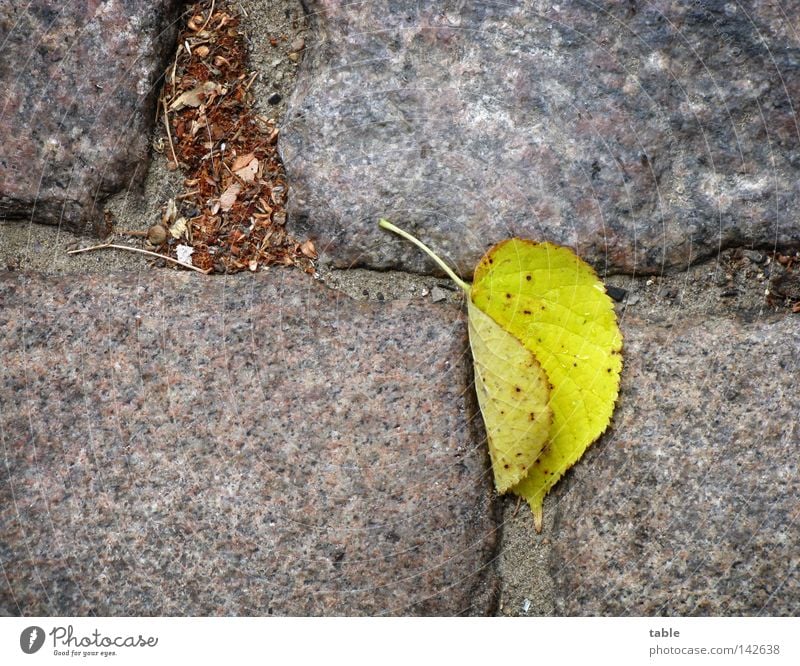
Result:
x=385 y=224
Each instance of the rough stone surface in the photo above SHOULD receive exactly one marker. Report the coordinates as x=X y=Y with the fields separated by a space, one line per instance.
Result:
x=644 y=135
x=184 y=446
x=77 y=96
x=690 y=506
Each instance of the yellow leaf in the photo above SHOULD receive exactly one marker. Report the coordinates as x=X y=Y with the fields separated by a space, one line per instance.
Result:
x=546 y=349
x=554 y=303
x=513 y=395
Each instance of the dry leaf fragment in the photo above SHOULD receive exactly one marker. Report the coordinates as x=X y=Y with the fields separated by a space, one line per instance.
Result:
x=189 y=98
x=228 y=197
x=179 y=228
x=248 y=171
x=308 y=249
x=196 y=23
x=242 y=161
x=195 y=97
x=170 y=213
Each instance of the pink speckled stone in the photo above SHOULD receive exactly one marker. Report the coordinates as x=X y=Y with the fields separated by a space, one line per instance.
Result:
x=78 y=84
x=690 y=505
x=180 y=445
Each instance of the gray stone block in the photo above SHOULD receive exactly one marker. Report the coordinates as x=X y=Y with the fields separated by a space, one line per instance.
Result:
x=175 y=445
x=78 y=84
x=643 y=135
x=689 y=506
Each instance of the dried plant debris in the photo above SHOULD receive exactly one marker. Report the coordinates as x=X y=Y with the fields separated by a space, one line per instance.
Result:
x=784 y=280
x=760 y=277
x=231 y=215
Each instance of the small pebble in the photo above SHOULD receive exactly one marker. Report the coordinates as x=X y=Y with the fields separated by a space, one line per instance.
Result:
x=617 y=293
x=632 y=299
x=274 y=98
x=298 y=44
x=438 y=294
x=526 y=605
x=755 y=256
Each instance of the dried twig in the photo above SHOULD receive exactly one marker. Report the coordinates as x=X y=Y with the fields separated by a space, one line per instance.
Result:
x=211 y=141
x=250 y=82
x=210 y=14
x=169 y=134
x=114 y=246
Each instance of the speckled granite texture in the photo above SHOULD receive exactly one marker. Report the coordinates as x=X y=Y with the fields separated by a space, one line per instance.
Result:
x=78 y=84
x=185 y=446
x=642 y=134
x=691 y=506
